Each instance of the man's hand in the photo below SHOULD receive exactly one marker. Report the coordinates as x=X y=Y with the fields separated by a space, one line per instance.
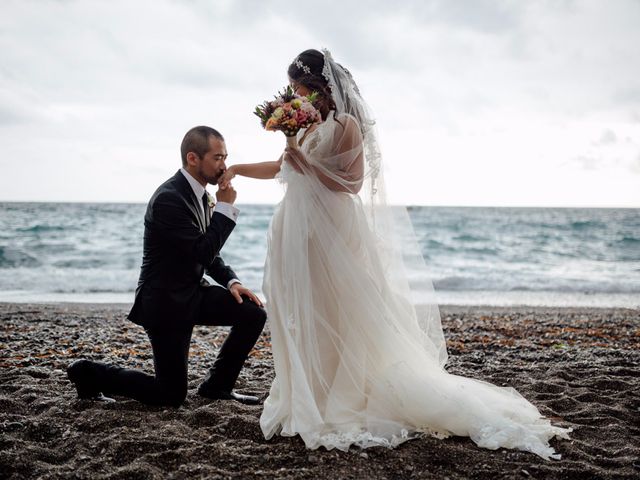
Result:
x=237 y=289
x=227 y=195
x=225 y=180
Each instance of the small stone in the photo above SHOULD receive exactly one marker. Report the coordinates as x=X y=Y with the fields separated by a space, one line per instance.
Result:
x=364 y=455
x=526 y=474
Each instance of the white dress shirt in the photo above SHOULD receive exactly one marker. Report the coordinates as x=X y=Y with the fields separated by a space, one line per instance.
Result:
x=224 y=208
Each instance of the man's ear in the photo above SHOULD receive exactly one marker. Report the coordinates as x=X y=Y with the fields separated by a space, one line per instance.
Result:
x=192 y=159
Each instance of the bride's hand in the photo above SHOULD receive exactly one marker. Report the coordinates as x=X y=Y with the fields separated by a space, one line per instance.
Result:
x=225 y=179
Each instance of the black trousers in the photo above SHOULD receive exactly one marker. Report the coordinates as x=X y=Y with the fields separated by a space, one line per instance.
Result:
x=171 y=353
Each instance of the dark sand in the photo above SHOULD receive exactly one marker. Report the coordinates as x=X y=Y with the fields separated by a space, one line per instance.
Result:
x=579 y=366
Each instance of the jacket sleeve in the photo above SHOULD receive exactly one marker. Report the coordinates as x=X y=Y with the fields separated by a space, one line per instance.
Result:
x=172 y=219
x=221 y=272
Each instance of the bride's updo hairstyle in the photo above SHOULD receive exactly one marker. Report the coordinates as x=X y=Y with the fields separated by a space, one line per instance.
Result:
x=306 y=70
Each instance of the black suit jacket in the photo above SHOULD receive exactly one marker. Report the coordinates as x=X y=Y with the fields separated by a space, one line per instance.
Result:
x=178 y=249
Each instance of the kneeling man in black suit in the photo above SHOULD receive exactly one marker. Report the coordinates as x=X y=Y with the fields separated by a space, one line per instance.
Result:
x=183 y=236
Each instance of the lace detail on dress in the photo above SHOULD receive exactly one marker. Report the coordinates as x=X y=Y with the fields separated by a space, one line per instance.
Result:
x=363 y=439
x=312 y=141
x=530 y=438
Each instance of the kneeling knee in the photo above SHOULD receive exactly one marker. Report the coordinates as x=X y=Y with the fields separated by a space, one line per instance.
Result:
x=254 y=313
x=259 y=317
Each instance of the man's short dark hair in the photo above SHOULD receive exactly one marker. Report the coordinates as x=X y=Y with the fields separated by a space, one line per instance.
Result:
x=196 y=140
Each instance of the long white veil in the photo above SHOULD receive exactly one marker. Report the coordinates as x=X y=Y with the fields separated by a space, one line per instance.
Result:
x=399 y=251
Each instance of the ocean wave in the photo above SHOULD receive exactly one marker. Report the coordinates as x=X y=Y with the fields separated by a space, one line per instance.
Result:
x=82 y=263
x=122 y=289
x=12 y=258
x=69 y=280
x=45 y=228
x=482 y=251
x=431 y=247
x=455 y=283
x=631 y=240
x=585 y=224
x=502 y=281
x=98 y=248
x=471 y=238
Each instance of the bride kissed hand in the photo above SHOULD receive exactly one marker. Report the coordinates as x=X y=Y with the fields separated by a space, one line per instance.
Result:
x=268 y=170
x=225 y=179
x=262 y=170
x=346 y=180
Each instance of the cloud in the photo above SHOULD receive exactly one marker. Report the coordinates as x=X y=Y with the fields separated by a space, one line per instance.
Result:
x=485 y=16
x=587 y=162
x=635 y=166
x=14 y=111
x=472 y=86
x=608 y=137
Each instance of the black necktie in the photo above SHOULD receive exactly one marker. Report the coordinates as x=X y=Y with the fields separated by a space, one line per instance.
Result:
x=205 y=208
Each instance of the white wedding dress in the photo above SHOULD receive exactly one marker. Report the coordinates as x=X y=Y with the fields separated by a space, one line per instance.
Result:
x=355 y=362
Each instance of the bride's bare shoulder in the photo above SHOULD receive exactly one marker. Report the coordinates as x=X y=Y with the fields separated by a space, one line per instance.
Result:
x=346 y=121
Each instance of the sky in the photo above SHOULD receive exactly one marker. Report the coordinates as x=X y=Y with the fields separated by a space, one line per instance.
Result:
x=478 y=102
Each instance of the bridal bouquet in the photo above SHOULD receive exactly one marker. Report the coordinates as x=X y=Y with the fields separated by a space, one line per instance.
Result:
x=288 y=113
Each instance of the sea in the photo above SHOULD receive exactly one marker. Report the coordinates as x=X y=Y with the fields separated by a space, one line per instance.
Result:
x=91 y=252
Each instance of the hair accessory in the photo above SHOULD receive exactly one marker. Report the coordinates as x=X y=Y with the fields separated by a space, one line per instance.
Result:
x=326 y=59
x=302 y=66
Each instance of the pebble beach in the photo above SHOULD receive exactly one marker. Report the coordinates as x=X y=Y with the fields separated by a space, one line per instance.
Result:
x=579 y=366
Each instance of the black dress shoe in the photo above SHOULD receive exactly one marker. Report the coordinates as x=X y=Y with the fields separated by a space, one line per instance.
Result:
x=221 y=395
x=83 y=376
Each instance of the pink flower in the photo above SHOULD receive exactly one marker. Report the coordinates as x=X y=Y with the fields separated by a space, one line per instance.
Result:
x=301 y=116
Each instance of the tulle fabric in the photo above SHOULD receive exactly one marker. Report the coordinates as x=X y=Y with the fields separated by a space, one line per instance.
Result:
x=355 y=363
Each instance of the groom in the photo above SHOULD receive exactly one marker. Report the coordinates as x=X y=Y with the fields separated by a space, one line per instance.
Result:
x=182 y=240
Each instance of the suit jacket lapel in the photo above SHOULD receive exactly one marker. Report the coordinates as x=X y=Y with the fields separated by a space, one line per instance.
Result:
x=190 y=199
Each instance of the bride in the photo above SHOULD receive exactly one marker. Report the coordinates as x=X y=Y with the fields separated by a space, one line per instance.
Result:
x=355 y=362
